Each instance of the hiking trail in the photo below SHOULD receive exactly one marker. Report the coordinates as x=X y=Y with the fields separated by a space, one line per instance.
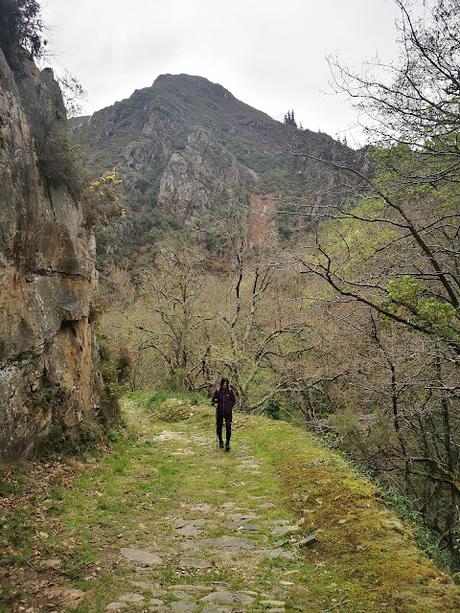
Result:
x=167 y=522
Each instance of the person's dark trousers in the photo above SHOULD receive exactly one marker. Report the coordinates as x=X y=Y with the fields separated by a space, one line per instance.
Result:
x=228 y=427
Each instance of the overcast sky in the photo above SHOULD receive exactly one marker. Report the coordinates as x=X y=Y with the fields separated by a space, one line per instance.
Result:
x=268 y=53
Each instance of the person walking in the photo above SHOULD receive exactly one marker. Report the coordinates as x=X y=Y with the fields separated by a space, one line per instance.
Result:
x=224 y=399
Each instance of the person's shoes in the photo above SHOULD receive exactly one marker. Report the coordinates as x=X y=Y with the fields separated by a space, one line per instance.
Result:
x=221 y=444
x=227 y=447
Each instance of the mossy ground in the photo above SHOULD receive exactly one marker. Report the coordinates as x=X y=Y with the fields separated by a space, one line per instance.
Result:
x=63 y=523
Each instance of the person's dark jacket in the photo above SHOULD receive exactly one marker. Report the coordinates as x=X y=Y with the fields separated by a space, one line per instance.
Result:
x=224 y=399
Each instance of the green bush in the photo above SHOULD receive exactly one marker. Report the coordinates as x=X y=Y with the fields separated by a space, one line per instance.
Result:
x=59 y=161
x=158 y=398
x=427 y=539
x=112 y=368
x=177 y=408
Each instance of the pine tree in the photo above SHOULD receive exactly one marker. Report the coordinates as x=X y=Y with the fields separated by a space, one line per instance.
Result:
x=289 y=119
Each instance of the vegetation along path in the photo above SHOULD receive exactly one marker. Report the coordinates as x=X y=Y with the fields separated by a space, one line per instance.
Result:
x=167 y=522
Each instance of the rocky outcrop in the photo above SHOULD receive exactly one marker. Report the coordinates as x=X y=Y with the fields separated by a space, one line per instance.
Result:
x=201 y=175
x=262 y=225
x=48 y=383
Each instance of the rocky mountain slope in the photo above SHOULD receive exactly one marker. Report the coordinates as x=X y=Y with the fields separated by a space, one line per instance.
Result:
x=189 y=152
x=48 y=382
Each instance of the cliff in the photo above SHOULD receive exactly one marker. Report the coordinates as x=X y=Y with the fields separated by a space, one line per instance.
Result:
x=48 y=383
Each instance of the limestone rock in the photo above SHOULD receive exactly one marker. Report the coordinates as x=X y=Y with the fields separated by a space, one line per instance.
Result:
x=310 y=538
x=283 y=530
x=196 y=563
x=144 y=585
x=181 y=595
x=228 y=598
x=232 y=524
x=267 y=505
x=192 y=587
x=277 y=553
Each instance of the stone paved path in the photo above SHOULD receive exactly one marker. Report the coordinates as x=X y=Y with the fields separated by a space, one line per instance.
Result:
x=227 y=548
x=167 y=522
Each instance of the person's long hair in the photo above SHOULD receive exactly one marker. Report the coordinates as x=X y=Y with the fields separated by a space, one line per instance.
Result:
x=224 y=380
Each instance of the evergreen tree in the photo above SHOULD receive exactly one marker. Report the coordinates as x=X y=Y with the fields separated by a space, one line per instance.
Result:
x=289 y=119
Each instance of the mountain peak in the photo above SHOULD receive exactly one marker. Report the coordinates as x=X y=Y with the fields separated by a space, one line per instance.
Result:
x=187 y=149
x=184 y=81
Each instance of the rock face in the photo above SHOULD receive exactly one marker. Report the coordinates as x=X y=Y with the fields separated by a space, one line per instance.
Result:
x=48 y=382
x=201 y=175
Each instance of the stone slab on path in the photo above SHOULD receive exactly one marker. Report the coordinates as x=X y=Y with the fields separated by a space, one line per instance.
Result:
x=284 y=530
x=183 y=607
x=223 y=543
x=181 y=595
x=228 y=598
x=201 y=507
x=279 y=604
x=277 y=553
x=156 y=602
x=232 y=524
x=145 y=585
x=167 y=435
x=132 y=598
x=190 y=528
x=195 y=563
x=141 y=556
x=116 y=606
x=266 y=505
x=191 y=587
x=243 y=516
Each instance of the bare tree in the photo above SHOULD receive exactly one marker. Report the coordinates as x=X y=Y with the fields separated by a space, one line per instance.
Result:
x=179 y=334
x=262 y=339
